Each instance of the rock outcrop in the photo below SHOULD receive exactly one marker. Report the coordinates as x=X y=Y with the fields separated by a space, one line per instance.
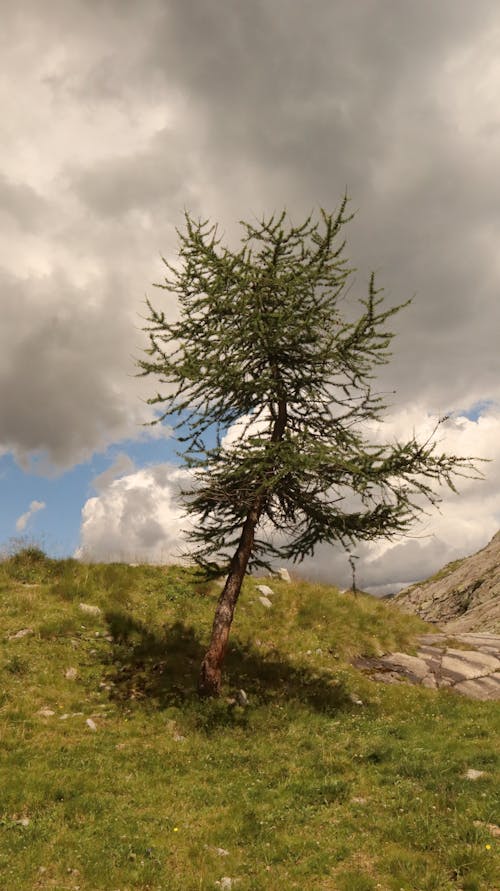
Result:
x=472 y=669
x=463 y=597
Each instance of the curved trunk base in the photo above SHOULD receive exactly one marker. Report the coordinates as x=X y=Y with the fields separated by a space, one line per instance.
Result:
x=210 y=679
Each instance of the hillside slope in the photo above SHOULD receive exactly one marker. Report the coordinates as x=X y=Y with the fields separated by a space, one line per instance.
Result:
x=464 y=596
x=115 y=775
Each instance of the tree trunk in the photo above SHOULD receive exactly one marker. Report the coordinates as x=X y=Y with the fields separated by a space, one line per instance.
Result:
x=209 y=680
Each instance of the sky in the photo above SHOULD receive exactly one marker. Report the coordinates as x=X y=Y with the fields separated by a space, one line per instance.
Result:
x=117 y=116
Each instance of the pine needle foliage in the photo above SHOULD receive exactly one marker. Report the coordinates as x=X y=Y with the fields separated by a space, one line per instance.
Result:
x=262 y=338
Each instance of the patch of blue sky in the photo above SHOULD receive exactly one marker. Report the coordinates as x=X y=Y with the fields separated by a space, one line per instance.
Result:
x=474 y=412
x=56 y=527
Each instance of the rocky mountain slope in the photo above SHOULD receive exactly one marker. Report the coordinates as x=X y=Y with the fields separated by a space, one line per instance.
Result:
x=462 y=597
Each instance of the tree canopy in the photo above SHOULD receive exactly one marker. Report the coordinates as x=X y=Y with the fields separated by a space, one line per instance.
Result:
x=262 y=338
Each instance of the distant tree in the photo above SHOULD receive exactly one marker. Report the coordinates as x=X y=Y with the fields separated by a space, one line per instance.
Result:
x=260 y=338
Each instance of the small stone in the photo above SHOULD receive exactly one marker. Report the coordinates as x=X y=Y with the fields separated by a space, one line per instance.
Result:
x=241 y=698
x=91 y=724
x=265 y=602
x=90 y=609
x=472 y=774
x=64 y=717
x=222 y=852
x=70 y=674
x=492 y=828
x=284 y=575
x=265 y=590
x=24 y=821
x=355 y=699
x=22 y=633
x=225 y=882
x=46 y=712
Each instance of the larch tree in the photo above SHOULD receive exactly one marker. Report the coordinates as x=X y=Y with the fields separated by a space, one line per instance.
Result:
x=260 y=339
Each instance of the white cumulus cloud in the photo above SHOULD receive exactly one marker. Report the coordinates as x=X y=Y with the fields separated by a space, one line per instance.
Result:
x=136 y=518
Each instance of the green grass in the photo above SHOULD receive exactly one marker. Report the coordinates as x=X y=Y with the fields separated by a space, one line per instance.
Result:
x=303 y=789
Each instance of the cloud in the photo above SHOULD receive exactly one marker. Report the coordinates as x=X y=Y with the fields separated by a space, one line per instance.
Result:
x=24 y=519
x=136 y=518
x=121 y=466
x=76 y=393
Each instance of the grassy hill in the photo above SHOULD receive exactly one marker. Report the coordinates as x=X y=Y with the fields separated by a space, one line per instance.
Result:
x=114 y=776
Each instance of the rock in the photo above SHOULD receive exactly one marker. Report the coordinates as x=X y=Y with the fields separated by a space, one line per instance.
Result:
x=222 y=852
x=265 y=601
x=355 y=699
x=492 y=828
x=91 y=724
x=90 y=609
x=412 y=667
x=241 y=698
x=472 y=673
x=284 y=575
x=265 y=590
x=472 y=774
x=71 y=674
x=464 y=596
x=22 y=633
x=225 y=883
x=485 y=688
x=467 y=664
x=46 y=712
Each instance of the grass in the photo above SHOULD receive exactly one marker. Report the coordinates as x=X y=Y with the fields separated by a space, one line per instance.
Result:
x=305 y=788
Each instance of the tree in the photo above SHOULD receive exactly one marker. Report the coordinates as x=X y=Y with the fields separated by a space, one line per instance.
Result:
x=260 y=339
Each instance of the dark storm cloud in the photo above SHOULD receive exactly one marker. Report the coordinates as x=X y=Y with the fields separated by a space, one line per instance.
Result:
x=22 y=204
x=61 y=390
x=150 y=181
x=293 y=108
x=278 y=107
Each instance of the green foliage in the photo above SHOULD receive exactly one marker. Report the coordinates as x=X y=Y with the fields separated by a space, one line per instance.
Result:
x=262 y=337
